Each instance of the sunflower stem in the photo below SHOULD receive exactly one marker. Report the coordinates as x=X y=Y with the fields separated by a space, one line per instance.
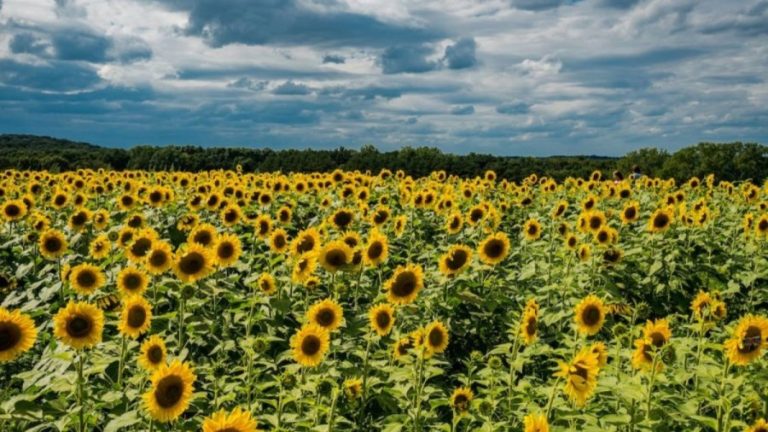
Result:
x=651 y=382
x=417 y=401
x=552 y=395
x=182 y=301
x=80 y=385
x=365 y=366
x=121 y=364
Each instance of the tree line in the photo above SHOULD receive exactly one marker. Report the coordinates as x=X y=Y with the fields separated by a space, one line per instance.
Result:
x=728 y=161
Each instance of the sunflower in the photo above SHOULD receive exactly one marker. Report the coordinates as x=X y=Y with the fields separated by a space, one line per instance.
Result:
x=125 y=236
x=630 y=213
x=457 y=259
x=193 y=263
x=153 y=353
x=528 y=325
x=571 y=241
x=227 y=250
x=476 y=214
x=342 y=218
x=52 y=244
x=660 y=220
x=326 y=314
x=494 y=248
x=306 y=241
x=266 y=284
x=309 y=345
x=171 y=391
x=435 y=337
x=580 y=376
x=14 y=210
x=381 y=215
x=131 y=281
x=278 y=240
x=536 y=423
x=353 y=388
x=100 y=247
x=461 y=400
x=402 y=347
x=405 y=284
x=584 y=252
x=79 y=325
x=761 y=226
x=86 y=278
x=159 y=259
x=655 y=336
x=203 y=234
x=17 y=334
x=454 y=223
x=231 y=215
x=141 y=244
x=237 y=420
x=382 y=318
x=136 y=317
x=376 y=250
x=748 y=340
x=593 y=220
x=760 y=426
x=532 y=229
x=79 y=219
x=335 y=255
x=601 y=353
x=590 y=315
x=304 y=268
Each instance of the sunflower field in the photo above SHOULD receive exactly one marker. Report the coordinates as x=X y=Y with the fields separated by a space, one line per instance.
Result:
x=229 y=301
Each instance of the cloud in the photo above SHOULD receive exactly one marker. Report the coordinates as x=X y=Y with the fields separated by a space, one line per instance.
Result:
x=513 y=108
x=547 y=65
x=249 y=84
x=28 y=43
x=537 y=5
x=290 y=88
x=618 y=4
x=81 y=45
x=752 y=21
x=333 y=58
x=463 y=110
x=461 y=55
x=56 y=76
x=407 y=59
x=291 y=22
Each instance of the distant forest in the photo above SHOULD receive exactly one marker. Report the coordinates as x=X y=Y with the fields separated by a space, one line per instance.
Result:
x=728 y=161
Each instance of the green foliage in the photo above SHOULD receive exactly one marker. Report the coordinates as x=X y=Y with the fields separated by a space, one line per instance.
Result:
x=732 y=161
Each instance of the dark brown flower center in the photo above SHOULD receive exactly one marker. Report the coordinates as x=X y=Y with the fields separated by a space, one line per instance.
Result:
x=456 y=260
x=494 y=248
x=375 y=250
x=405 y=284
x=342 y=219
x=169 y=391
x=591 y=315
x=225 y=250
x=10 y=335
x=336 y=257
x=436 y=337
x=141 y=246
x=155 y=354
x=751 y=341
x=383 y=319
x=52 y=244
x=158 y=258
x=325 y=317
x=661 y=220
x=192 y=263
x=137 y=316
x=203 y=237
x=310 y=345
x=86 y=278
x=79 y=326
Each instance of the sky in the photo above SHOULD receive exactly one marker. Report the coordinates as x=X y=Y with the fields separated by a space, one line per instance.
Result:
x=508 y=77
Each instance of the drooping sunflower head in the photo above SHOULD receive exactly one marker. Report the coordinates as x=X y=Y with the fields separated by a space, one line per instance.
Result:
x=79 y=325
x=435 y=338
x=457 y=259
x=405 y=284
x=461 y=400
x=529 y=325
x=532 y=229
x=590 y=315
x=171 y=391
x=86 y=278
x=52 y=244
x=580 y=376
x=193 y=263
x=237 y=420
x=136 y=315
x=382 y=318
x=17 y=334
x=153 y=353
x=601 y=353
x=536 y=423
x=376 y=250
x=335 y=255
x=309 y=345
x=748 y=341
x=494 y=249
x=227 y=250
x=326 y=314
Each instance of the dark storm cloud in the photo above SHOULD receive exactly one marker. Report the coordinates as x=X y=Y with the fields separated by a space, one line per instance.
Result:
x=334 y=59
x=407 y=59
x=461 y=55
x=56 y=76
x=290 y=22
